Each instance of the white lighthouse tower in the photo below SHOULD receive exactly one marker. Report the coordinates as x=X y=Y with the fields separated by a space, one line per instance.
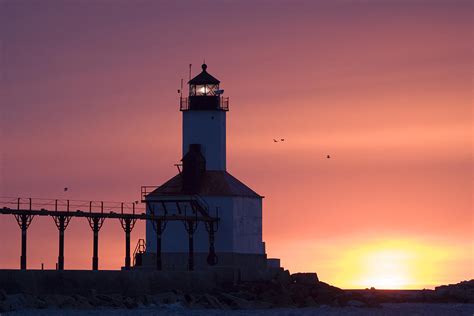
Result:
x=204 y=119
x=238 y=241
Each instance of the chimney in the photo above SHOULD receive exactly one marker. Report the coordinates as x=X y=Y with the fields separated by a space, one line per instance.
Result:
x=194 y=166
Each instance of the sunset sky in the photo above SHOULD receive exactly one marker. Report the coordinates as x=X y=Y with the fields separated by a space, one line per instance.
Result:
x=88 y=101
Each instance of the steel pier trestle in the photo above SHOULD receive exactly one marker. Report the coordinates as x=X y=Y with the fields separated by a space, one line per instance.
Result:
x=96 y=212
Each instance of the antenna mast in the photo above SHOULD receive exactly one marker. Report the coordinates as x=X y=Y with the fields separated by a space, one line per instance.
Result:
x=190 y=65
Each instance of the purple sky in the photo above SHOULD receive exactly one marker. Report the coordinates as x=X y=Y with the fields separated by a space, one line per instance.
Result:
x=88 y=101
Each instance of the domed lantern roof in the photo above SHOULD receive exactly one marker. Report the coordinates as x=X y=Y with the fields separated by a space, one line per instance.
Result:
x=203 y=78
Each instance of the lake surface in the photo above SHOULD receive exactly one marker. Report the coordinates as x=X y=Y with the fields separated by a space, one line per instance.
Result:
x=418 y=309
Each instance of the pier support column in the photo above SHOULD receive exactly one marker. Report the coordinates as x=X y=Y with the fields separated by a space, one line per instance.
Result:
x=159 y=265
x=61 y=221
x=127 y=224
x=96 y=224
x=95 y=250
x=191 y=226
x=127 y=245
x=24 y=221
x=211 y=228
x=159 y=226
x=23 y=245
x=61 y=246
x=191 y=253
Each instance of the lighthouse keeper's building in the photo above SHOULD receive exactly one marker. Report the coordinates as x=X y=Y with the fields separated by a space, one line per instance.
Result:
x=204 y=178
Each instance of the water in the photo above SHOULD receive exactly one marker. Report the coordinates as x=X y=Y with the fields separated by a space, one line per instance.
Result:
x=418 y=309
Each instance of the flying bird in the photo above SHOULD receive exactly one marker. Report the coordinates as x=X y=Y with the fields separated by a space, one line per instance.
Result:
x=65 y=189
x=282 y=139
x=275 y=141
x=328 y=156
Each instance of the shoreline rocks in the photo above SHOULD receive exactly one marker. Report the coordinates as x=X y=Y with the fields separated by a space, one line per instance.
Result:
x=294 y=291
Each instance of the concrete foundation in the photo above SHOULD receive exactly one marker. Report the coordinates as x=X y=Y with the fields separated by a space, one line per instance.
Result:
x=126 y=282
x=243 y=267
x=68 y=282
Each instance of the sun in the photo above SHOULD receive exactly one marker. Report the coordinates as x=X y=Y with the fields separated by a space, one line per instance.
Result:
x=386 y=268
x=390 y=264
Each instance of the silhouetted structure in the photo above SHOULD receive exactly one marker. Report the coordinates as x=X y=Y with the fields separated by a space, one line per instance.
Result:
x=237 y=242
x=96 y=212
x=230 y=238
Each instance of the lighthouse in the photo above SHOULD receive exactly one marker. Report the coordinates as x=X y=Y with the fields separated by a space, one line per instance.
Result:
x=203 y=184
x=204 y=119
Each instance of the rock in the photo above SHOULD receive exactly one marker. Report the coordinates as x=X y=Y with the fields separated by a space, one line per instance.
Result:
x=155 y=299
x=104 y=298
x=190 y=300
x=93 y=301
x=4 y=307
x=355 y=303
x=51 y=300
x=299 y=293
x=167 y=298
x=3 y=295
x=462 y=292
x=305 y=278
x=236 y=302
x=335 y=303
x=310 y=302
x=59 y=301
x=41 y=304
x=102 y=301
x=65 y=301
x=113 y=300
x=31 y=301
x=324 y=293
x=278 y=299
x=13 y=302
x=210 y=301
x=68 y=302
x=82 y=302
x=149 y=300
x=283 y=277
x=178 y=292
x=130 y=303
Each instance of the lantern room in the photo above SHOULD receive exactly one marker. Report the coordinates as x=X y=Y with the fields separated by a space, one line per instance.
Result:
x=204 y=94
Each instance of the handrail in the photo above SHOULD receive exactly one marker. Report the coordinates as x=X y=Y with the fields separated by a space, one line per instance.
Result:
x=70 y=205
x=201 y=201
x=223 y=104
x=147 y=189
x=139 y=248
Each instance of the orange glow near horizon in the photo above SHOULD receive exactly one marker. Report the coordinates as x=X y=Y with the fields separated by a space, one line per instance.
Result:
x=400 y=264
x=382 y=263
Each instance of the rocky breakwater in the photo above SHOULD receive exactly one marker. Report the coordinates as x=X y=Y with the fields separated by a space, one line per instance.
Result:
x=284 y=290
x=462 y=292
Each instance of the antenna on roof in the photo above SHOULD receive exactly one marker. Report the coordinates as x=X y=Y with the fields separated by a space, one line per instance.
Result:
x=181 y=90
x=190 y=65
